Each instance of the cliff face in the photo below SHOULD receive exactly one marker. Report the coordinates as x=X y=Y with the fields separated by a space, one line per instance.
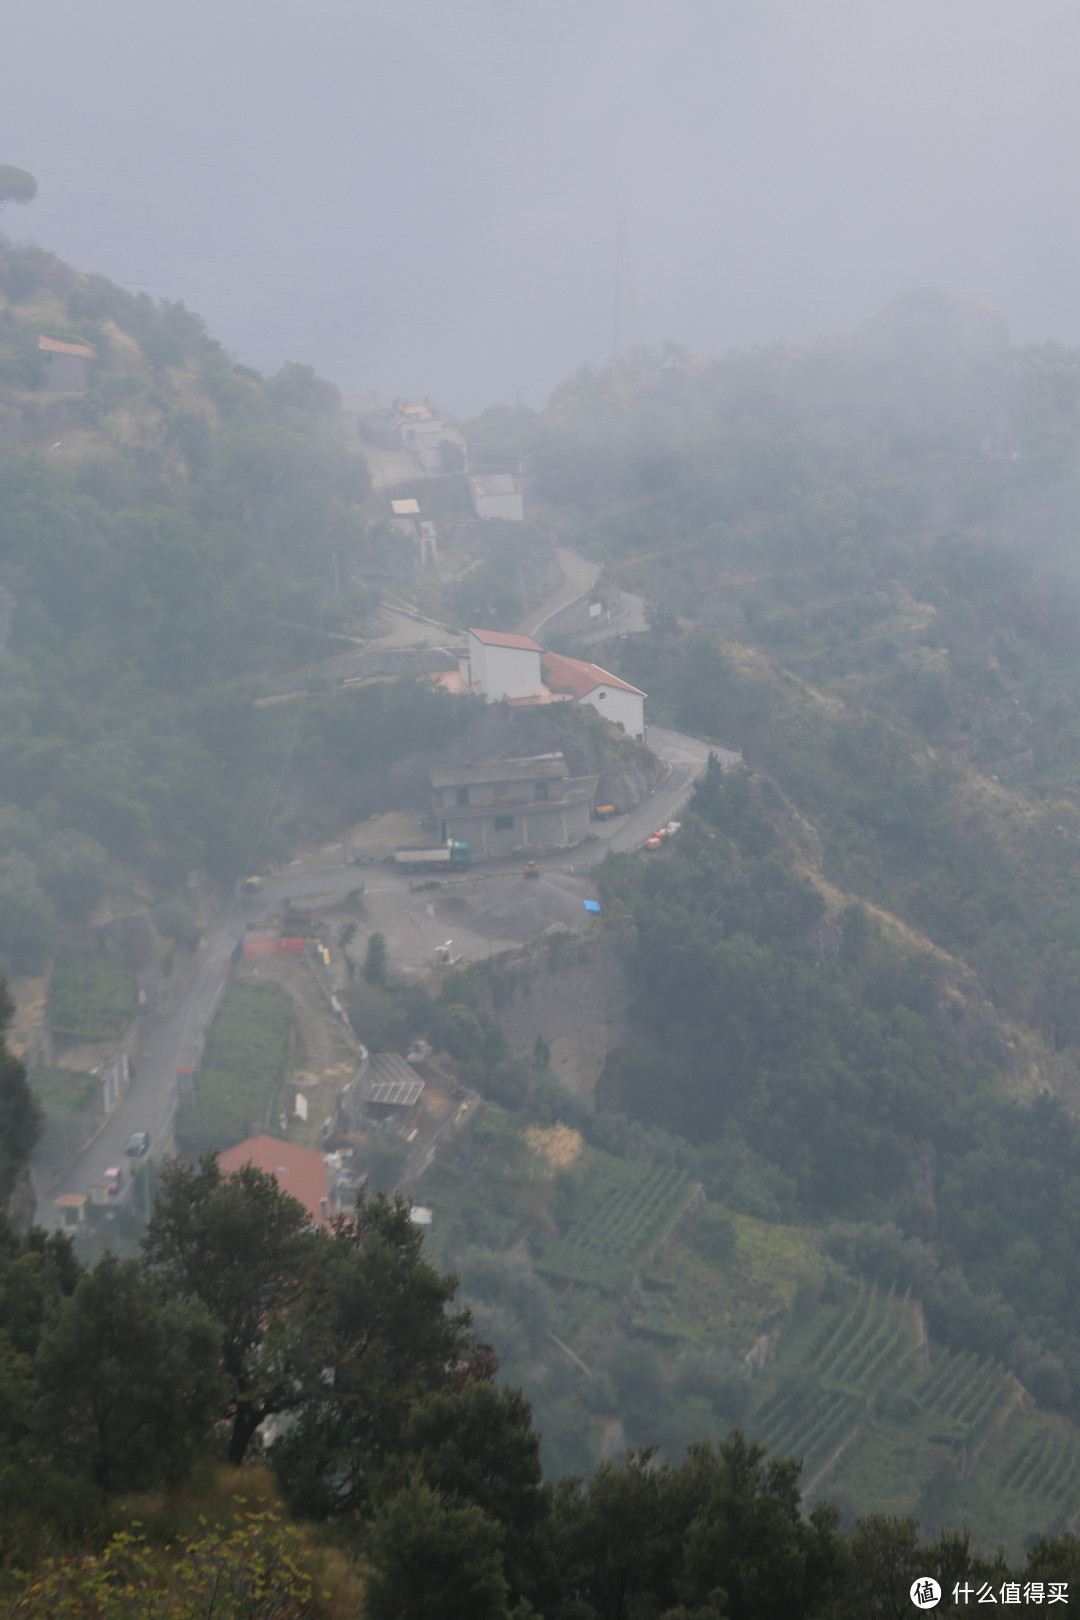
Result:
x=575 y=995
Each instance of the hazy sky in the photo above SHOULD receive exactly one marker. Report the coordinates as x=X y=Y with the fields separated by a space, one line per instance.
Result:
x=421 y=198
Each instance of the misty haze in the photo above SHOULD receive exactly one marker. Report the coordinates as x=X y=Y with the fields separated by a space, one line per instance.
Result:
x=539 y=811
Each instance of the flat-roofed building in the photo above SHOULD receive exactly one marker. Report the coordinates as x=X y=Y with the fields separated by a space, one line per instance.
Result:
x=500 y=806
x=440 y=449
x=497 y=495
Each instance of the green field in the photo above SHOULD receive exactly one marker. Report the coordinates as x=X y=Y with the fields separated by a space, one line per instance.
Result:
x=91 y=998
x=247 y=1057
x=685 y=1298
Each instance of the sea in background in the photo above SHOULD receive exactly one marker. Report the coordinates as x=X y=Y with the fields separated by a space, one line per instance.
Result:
x=425 y=199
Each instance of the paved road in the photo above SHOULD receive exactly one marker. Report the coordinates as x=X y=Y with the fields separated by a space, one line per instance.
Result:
x=578 y=574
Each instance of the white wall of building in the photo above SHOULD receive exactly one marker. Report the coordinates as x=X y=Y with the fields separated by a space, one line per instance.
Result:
x=626 y=709
x=503 y=672
x=511 y=507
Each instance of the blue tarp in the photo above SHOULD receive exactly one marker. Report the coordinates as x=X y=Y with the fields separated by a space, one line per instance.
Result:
x=592 y=905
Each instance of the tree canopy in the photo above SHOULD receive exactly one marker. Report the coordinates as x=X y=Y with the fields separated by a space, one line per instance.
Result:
x=16 y=185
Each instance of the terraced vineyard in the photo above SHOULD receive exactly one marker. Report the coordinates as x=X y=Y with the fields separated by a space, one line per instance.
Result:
x=1029 y=1477
x=956 y=1441
x=621 y=1212
x=845 y=1363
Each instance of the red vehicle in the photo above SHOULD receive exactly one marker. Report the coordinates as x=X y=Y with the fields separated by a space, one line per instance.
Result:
x=113 y=1178
x=655 y=842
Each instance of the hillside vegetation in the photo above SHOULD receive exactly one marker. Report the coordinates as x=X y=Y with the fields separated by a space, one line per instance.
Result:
x=856 y=991
x=164 y=537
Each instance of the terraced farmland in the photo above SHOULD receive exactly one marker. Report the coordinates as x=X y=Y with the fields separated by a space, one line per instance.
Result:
x=1027 y=1477
x=621 y=1212
x=951 y=1442
x=842 y=1366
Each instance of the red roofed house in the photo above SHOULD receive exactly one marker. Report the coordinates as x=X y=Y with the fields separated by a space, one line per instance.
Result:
x=587 y=683
x=66 y=365
x=503 y=664
x=297 y=1170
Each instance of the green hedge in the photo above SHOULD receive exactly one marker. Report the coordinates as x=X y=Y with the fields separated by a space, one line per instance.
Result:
x=91 y=998
x=248 y=1053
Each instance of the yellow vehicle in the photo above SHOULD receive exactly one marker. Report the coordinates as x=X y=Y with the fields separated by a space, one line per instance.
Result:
x=604 y=812
x=252 y=885
x=531 y=869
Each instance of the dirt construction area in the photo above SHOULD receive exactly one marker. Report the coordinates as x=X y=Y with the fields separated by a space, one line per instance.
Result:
x=474 y=917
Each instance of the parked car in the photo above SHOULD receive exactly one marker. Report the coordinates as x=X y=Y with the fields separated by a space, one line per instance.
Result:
x=139 y=1144
x=114 y=1177
x=655 y=842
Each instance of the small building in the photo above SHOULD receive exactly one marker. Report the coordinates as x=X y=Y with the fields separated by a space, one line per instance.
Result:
x=616 y=700
x=497 y=495
x=67 y=365
x=297 y=1170
x=71 y=1208
x=412 y=418
x=394 y=1087
x=503 y=664
x=502 y=806
x=429 y=545
x=427 y=443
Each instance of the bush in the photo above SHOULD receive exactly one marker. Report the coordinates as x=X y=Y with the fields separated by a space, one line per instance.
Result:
x=91 y=998
x=71 y=868
x=247 y=1056
x=27 y=924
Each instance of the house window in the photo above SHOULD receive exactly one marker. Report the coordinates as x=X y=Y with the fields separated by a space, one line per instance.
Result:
x=541 y=791
x=502 y=790
x=504 y=823
x=462 y=795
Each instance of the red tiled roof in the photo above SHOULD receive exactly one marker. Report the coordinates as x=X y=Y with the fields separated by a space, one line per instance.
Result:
x=573 y=675
x=297 y=1170
x=506 y=638
x=54 y=346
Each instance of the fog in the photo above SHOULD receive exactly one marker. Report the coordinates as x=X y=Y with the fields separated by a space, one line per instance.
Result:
x=424 y=199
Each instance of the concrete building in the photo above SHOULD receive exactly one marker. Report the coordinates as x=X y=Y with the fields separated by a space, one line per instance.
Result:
x=429 y=545
x=616 y=700
x=497 y=495
x=503 y=664
x=411 y=419
x=67 y=366
x=502 y=806
x=427 y=446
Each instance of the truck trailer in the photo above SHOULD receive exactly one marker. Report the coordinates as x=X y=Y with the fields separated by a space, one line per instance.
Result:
x=449 y=857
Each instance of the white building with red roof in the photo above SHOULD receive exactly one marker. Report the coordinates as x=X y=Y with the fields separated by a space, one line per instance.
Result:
x=503 y=664
x=616 y=700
